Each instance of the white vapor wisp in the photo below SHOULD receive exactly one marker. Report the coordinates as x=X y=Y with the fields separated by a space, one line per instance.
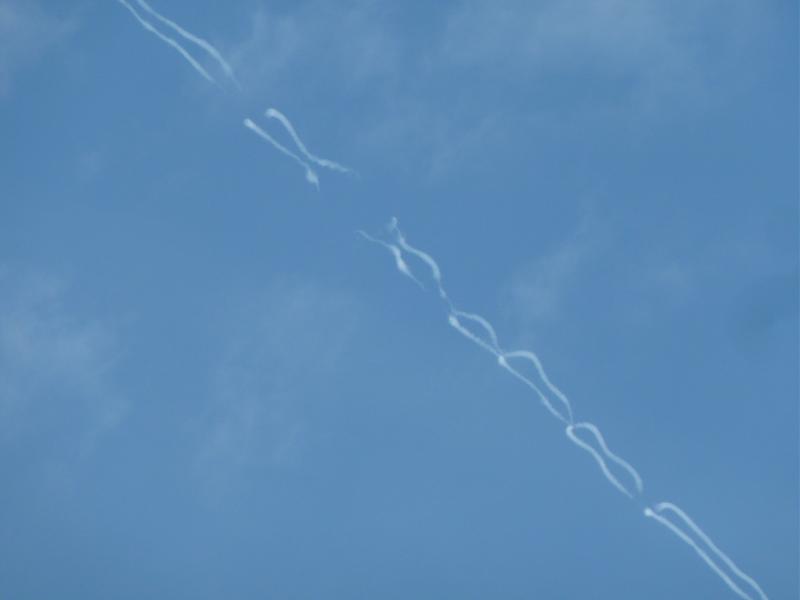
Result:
x=311 y=176
x=211 y=50
x=490 y=343
x=169 y=41
x=273 y=113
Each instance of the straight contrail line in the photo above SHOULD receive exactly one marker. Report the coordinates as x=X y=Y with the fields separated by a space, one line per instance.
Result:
x=492 y=346
x=193 y=38
x=273 y=113
x=168 y=40
x=311 y=176
x=702 y=553
x=668 y=506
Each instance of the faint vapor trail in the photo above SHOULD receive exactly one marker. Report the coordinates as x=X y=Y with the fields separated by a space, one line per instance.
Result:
x=168 y=40
x=193 y=38
x=490 y=343
x=311 y=176
x=272 y=113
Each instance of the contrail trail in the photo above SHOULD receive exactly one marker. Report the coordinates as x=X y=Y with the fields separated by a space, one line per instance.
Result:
x=668 y=506
x=600 y=461
x=528 y=355
x=273 y=113
x=700 y=552
x=398 y=257
x=423 y=256
x=311 y=176
x=193 y=38
x=490 y=343
x=168 y=40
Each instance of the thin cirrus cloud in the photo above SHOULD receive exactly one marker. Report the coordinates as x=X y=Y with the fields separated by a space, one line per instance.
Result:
x=27 y=32
x=280 y=347
x=56 y=367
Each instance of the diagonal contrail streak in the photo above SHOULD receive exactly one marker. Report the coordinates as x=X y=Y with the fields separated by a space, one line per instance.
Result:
x=648 y=512
x=211 y=50
x=168 y=40
x=601 y=461
x=273 y=113
x=311 y=176
x=670 y=507
x=398 y=256
x=490 y=343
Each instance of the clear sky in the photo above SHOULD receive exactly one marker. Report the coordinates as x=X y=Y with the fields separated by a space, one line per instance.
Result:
x=212 y=387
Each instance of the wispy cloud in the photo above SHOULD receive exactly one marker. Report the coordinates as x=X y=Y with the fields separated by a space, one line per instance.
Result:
x=55 y=367
x=26 y=32
x=538 y=290
x=281 y=347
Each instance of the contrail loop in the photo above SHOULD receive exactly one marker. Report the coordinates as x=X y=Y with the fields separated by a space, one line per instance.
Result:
x=599 y=459
x=168 y=40
x=604 y=447
x=311 y=176
x=193 y=38
x=273 y=113
x=528 y=355
x=398 y=256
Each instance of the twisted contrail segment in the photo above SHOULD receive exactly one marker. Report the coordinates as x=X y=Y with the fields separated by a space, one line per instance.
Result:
x=211 y=50
x=490 y=343
x=311 y=176
x=273 y=113
x=168 y=40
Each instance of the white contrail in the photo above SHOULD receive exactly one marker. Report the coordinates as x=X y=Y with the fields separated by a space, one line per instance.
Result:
x=456 y=324
x=600 y=461
x=398 y=257
x=501 y=360
x=273 y=113
x=168 y=40
x=423 y=256
x=480 y=321
x=492 y=346
x=668 y=506
x=193 y=38
x=700 y=552
x=528 y=355
x=311 y=176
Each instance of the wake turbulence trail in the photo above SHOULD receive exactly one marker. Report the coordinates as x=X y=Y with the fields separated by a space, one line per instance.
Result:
x=490 y=343
x=211 y=50
x=311 y=176
x=169 y=41
x=273 y=113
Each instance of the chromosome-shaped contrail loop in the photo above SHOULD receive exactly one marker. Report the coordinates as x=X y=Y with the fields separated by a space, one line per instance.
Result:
x=169 y=41
x=311 y=175
x=570 y=431
x=489 y=342
x=211 y=50
x=273 y=113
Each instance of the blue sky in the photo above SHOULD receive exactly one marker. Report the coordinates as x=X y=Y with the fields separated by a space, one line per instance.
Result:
x=211 y=386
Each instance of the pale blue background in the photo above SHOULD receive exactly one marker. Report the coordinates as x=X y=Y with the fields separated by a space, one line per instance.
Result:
x=210 y=387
